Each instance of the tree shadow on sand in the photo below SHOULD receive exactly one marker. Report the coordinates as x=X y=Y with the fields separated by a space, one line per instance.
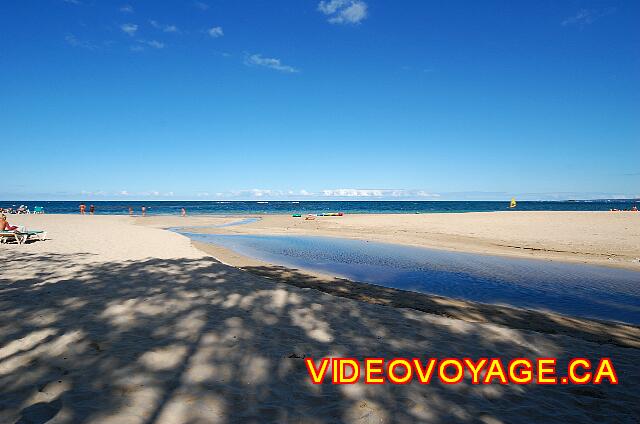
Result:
x=544 y=322
x=191 y=341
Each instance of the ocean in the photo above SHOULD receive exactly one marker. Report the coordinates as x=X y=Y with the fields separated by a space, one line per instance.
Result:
x=304 y=207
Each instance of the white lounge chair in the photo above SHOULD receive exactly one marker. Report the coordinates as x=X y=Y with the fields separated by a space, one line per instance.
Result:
x=21 y=237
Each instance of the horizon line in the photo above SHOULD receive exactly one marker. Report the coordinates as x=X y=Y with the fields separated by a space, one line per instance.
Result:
x=329 y=200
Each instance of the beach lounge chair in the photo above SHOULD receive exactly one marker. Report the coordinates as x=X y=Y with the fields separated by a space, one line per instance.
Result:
x=21 y=237
x=6 y=236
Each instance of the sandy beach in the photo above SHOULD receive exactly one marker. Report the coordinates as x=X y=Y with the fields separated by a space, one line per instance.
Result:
x=319 y=212
x=116 y=320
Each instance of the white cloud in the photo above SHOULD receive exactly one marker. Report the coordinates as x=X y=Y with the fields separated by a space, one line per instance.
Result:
x=88 y=193
x=124 y=193
x=253 y=193
x=583 y=17
x=587 y=16
x=382 y=193
x=344 y=11
x=352 y=192
x=216 y=32
x=152 y=43
x=330 y=7
x=257 y=192
x=326 y=194
x=72 y=40
x=200 y=5
x=127 y=8
x=422 y=193
x=165 y=28
x=271 y=63
x=155 y=44
x=129 y=29
x=155 y=193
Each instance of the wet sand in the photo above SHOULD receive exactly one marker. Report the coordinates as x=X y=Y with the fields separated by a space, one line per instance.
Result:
x=598 y=238
x=113 y=321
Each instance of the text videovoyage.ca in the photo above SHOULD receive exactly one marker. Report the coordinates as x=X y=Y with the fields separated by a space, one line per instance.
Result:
x=452 y=371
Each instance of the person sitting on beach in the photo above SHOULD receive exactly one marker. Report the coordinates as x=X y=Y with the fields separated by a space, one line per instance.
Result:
x=4 y=224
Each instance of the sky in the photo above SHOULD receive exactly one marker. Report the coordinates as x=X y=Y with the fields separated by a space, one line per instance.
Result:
x=308 y=99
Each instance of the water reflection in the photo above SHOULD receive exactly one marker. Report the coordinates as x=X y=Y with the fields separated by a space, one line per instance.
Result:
x=582 y=290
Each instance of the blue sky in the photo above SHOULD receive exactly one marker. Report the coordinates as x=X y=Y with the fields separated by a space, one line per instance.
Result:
x=219 y=99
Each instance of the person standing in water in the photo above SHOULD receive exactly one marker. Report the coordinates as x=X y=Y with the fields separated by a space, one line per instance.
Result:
x=183 y=212
x=144 y=211
x=92 y=209
x=130 y=211
x=83 y=208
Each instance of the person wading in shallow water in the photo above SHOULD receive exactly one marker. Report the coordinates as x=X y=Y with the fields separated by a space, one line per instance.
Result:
x=183 y=212
x=130 y=211
x=144 y=211
x=83 y=208
x=92 y=209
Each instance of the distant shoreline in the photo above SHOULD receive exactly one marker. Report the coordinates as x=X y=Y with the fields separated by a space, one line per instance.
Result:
x=356 y=206
x=630 y=199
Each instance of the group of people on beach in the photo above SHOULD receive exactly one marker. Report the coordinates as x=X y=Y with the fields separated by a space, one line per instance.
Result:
x=23 y=209
x=634 y=208
x=143 y=209
x=83 y=209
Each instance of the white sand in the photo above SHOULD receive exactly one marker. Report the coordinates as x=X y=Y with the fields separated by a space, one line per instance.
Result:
x=112 y=322
x=104 y=238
